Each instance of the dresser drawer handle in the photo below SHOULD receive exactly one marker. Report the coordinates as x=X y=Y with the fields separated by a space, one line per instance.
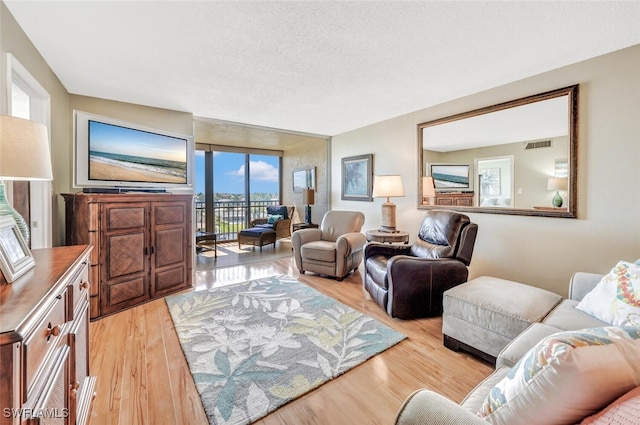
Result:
x=52 y=331
x=74 y=389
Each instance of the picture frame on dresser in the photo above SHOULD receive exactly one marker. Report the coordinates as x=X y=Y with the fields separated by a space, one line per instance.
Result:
x=15 y=257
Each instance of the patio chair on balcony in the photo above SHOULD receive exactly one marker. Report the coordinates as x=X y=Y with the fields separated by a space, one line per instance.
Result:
x=278 y=218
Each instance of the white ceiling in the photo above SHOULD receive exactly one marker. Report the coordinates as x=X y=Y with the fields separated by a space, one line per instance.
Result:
x=543 y=119
x=321 y=67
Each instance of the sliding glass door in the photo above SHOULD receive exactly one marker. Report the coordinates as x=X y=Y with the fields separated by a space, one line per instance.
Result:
x=232 y=188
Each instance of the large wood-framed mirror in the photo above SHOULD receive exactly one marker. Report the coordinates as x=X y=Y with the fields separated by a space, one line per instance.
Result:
x=517 y=157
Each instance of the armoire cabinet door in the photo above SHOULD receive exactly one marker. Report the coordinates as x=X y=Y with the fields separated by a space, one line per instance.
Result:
x=170 y=226
x=124 y=255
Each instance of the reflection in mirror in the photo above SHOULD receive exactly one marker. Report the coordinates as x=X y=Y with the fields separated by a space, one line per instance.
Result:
x=501 y=159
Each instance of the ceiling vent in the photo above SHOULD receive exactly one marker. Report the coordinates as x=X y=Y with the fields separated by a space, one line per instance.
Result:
x=538 y=145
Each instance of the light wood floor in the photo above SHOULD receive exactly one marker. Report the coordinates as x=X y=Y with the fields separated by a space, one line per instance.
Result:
x=143 y=376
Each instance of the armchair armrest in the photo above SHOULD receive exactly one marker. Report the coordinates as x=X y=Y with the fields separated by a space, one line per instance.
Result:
x=388 y=250
x=256 y=221
x=581 y=284
x=300 y=238
x=285 y=222
x=303 y=236
x=425 y=407
x=350 y=242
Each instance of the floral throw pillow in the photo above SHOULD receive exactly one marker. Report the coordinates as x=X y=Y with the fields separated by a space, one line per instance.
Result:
x=616 y=298
x=272 y=218
x=567 y=377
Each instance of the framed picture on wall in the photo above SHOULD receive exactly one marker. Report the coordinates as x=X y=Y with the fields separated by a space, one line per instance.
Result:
x=15 y=256
x=357 y=176
x=304 y=178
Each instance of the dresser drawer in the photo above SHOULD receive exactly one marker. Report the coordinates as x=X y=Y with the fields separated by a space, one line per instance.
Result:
x=43 y=339
x=78 y=287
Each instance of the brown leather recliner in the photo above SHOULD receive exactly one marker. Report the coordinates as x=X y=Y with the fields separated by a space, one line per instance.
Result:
x=408 y=280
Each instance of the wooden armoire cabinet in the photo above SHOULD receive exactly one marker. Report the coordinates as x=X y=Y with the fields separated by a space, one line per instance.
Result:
x=143 y=245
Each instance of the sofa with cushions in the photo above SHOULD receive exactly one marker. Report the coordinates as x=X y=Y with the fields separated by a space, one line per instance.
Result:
x=579 y=365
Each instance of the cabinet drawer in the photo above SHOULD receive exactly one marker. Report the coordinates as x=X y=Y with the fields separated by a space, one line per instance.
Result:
x=43 y=339
x=79 y=287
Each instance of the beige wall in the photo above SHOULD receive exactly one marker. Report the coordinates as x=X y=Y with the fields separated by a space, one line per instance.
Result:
x=309 y=155
x=14 y=41
x=532 y=167
x=537 y=250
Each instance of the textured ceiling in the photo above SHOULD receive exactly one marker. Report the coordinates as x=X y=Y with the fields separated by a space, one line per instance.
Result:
x=318 y=67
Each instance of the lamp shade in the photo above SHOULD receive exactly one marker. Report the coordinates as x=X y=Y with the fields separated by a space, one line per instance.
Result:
x=428 y=190
x=24 y=150
x=387 y=186
x=557 y=183
x=308 y=196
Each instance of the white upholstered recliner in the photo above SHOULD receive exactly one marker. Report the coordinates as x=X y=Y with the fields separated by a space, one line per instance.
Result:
x=334 y=249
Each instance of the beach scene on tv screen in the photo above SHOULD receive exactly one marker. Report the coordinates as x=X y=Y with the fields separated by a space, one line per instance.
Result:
x=125 y=154
x=450 y=176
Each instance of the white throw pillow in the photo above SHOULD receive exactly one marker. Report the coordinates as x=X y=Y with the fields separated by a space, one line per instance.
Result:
x=566 y=377
x=616 y=298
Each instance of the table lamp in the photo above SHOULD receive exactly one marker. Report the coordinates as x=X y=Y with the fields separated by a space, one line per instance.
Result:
x=24 y=155
x=428 y=190
x=387 y=187
x=308 y=198
x=557 y=184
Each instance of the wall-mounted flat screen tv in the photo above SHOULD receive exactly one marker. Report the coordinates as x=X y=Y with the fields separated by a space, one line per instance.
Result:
x=111 y=153
x=451 y=177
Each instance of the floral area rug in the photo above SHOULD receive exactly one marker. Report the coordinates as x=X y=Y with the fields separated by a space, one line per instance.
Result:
x=254 y=346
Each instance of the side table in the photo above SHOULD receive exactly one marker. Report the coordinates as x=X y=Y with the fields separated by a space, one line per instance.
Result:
x=378 y=236
x=202 y=237
x=298 y=226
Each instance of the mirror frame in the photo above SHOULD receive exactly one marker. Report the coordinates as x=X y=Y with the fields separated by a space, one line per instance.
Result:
x=572 y=190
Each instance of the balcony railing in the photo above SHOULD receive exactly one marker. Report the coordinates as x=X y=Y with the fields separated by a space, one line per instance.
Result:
x=231 y=216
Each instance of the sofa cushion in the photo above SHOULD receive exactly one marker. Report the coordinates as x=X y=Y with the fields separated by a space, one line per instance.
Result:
x=319 y=251
x=564 y=378
x=566 y=317
x=616 y=299
x=623 y=411
x=524 y=342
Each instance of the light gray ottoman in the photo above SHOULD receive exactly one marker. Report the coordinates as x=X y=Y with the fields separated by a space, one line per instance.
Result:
x=484 y=314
